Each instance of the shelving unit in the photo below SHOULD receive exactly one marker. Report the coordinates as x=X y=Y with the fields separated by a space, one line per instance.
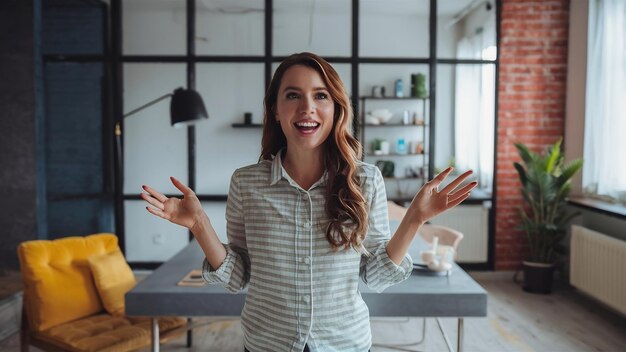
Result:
x=421 y=137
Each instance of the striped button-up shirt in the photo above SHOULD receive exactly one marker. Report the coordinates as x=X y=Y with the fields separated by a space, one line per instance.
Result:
x=301 y=290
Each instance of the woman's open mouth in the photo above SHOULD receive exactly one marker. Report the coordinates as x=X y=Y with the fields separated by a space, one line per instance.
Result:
x=307 y=127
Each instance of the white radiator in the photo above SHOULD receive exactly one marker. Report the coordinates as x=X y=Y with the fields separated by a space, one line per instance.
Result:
x=598 y=266
x=473 y=222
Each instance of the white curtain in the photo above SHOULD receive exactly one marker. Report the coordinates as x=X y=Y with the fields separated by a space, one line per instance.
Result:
x=604 y=170
x=474 y=102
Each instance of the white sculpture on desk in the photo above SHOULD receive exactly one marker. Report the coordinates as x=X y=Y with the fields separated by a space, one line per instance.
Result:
x=439 y=258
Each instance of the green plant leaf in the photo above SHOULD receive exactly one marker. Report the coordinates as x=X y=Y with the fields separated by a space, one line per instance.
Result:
x=526 y=155
x=521 y=172
x=569 y=171
x=554 y=154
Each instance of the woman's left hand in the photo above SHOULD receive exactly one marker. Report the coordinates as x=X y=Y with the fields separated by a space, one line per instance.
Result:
x=430 y=201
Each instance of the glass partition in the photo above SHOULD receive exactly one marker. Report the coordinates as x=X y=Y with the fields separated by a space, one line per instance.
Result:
x=466 y=98
x=465 y=28
x=319 y=26
x=154 y=27
x=394 y=28
x=150 y=238
x=234 y=27
x=229 y=90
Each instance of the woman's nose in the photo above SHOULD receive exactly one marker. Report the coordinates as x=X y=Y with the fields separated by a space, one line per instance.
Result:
x=307 y=105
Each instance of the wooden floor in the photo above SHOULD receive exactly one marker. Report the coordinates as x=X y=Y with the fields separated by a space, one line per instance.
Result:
x=516 y=321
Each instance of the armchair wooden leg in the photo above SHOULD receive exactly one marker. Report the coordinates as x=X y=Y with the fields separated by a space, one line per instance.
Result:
x=24 y=337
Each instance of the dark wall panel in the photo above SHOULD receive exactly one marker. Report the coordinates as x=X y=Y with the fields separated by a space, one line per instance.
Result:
x=18 y=162
x=79 y=217
x=72 y=27
x=74 y=128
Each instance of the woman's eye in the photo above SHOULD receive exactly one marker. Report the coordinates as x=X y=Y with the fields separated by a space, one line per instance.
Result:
x=292 y=96
x=322 y=96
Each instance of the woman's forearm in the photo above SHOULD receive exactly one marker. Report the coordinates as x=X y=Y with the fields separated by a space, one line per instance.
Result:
x=209 y=242
x=401 y=240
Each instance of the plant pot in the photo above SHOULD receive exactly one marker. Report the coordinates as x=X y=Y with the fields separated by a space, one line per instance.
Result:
x=537 y=277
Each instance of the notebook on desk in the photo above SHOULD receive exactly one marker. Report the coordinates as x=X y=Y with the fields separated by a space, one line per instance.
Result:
x=193 y=278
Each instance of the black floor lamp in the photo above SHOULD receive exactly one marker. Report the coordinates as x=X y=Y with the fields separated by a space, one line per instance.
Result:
x=186 y=108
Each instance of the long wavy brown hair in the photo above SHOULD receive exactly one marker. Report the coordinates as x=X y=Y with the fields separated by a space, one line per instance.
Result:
x=345 y=203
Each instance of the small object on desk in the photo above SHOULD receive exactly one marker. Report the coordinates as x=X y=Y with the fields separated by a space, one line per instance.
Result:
x=422 y=269
x=193 y=278
x=435 y=260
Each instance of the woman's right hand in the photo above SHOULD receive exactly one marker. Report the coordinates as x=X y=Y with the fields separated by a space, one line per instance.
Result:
x=185 y=212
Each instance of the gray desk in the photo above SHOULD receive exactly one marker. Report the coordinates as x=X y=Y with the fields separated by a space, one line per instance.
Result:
x=457 y=295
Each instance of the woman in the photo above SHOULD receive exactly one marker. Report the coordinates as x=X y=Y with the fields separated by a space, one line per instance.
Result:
x=307 y=221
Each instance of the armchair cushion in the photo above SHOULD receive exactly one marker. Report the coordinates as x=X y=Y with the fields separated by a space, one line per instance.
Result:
x=58 y=284
x=104 y=332
x=113 y=278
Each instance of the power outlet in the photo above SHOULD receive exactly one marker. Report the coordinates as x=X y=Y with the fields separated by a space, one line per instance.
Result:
x=157 y=238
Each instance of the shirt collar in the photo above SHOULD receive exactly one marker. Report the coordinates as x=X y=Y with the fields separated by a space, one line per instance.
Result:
x=277 y=168
x=278 y=171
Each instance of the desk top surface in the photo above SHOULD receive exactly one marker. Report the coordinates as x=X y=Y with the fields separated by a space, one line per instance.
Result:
x=455 y=295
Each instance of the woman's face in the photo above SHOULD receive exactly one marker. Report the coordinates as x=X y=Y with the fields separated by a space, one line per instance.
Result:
x=304 y=108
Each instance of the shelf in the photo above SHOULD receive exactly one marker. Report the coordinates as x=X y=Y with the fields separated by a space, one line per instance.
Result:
x=394 y=125
x=394 y=154
x=244 y=125
x=392 y=98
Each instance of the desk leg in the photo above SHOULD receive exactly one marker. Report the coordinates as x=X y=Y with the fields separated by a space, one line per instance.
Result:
x=189 y=334
x=155 y=335
x=459 y=336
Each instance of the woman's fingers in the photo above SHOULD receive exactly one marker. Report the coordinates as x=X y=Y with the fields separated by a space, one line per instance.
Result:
x=435 y=182
x=181 y=187
x=458 y=201
x=152 y=201
x=156 y=212
x=457 y=181
x=156 y=194
x=462 y=192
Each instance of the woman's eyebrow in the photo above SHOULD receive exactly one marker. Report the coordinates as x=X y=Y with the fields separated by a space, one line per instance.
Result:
x=300 y=89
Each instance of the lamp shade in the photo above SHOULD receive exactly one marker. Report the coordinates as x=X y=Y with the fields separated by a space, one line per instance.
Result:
x=186 y=107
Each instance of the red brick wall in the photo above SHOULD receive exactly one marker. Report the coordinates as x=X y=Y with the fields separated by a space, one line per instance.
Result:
x=531 y=106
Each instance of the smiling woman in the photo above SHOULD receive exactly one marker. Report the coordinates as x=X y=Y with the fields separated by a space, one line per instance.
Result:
x=308 y=221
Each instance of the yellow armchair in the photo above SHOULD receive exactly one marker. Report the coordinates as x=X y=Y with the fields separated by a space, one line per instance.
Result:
x=62 y=307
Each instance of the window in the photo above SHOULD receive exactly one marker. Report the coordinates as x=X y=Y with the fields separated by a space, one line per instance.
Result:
x=474 y=105
x=604 y=170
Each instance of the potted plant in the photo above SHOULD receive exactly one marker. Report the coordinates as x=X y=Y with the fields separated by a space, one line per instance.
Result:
x=546 y=183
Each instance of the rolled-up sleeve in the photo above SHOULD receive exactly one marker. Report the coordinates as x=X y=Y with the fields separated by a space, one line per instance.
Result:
x=377 y=270
x=234 y=273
